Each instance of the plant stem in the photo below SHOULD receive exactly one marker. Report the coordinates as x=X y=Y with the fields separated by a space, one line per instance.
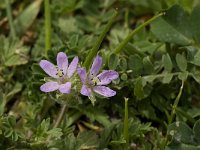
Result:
x=121 y=45
x=10 y=19
x=98 y=42
x=60 y=117
x=47 y=26
x=126 y=136
x=174 y=107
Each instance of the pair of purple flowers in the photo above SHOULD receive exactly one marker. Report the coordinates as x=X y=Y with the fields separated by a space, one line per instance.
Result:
x=62 y=75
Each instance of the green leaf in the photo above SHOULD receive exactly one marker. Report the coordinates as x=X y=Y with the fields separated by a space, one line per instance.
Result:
x=27 y=17
x=196 y=76
x=148 y=66
x=15 y=60
x=174 y=27
x=181 y=146
x=150 y=78
x=181 y=62
x=15 y=54
x=17 y=88
x=87 y=140
x=195 y=23
x=181 y=132
x=106 y=135
x=55 y=133
x=147 y=110
x=167 y=78
x=70 y=23
x=135 y=64
x=167 y=62
x=196 y=130
x=123 y=64
x=183 y=76
x=196 y=59
x=159 y=102
x=11 y=121
x=71 y=142
x=96 y=114
x=138 y=88
x=113 y=61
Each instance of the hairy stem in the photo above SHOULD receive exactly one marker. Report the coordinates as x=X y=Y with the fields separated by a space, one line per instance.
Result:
x=174 y=107
x=47 y=26
x=98 y=42
x=60 y=117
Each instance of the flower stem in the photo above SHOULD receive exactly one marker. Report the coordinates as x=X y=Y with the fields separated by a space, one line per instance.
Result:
x=121 y=45
x=174 y=107
x=98 y=42
x=60 y=117
x=10 y=19
x=126 y=136
x=47 y=26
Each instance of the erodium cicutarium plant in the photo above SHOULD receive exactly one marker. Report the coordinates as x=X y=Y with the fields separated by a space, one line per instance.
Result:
x=94 y=82
x=61 y=74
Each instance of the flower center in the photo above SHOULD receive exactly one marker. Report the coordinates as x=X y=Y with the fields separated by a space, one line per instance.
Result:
x=93 y=80
x=60 y=72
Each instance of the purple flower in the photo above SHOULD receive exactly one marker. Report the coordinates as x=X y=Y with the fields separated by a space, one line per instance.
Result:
x=94 y=82
x=61 y=73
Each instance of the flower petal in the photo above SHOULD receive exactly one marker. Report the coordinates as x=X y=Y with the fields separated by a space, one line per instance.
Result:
x=107 y=76
x=86 y=91
x=72 y=67
x=65 y=88
x=49 y=68
x=96 y=65
x=62 y=61
x=104 y=91
x=49 y=87
x=82 y=74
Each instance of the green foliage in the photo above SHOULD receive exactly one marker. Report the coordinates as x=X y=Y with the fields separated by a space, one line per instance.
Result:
x=153 y=63
x=183 y=137
x=27 y=17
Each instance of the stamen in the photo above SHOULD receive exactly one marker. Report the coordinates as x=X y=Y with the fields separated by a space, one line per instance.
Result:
x=60 y=72
x=95 y=81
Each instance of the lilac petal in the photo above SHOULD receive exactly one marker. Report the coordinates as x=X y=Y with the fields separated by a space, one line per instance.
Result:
x=86 y=91
x=96 y=65
x=72 y=67
x=82 y=74
x=104 y=91
x=49 y=68
x=62 y=61
x=65 y=88
x=49 y=87
x=107 y=76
